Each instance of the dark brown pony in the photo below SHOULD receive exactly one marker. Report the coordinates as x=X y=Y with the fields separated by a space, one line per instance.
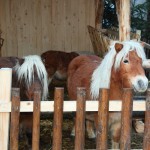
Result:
x=28 y=74
x=56 y=63
x=120 y=68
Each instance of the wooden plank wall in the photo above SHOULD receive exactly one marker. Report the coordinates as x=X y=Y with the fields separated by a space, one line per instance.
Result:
x=35 y=26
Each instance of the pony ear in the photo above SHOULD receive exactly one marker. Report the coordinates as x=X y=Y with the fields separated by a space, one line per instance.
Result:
x=118 y=47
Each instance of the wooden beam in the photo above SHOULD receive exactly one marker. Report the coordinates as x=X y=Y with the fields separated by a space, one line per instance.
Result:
x=126 y=119
x=124 y=20
x=69 y=106
x=102 y=127
x=117 y=2
x=58 y=119
x=146 y=143
x=15 y=115
x=5 y=94
x=80 y=119
x=99 y=10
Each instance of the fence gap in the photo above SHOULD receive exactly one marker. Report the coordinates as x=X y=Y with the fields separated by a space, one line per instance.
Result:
x=58 y=118
x=80 y=119
x=102 y=125
x=126 y=119
x=146 y=142
x=36 y=120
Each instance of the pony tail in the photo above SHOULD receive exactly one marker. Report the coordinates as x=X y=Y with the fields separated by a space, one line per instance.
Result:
x=26 y=71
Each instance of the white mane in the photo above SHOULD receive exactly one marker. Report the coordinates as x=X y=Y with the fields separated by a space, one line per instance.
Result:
x=101 y=75
x=26 y=71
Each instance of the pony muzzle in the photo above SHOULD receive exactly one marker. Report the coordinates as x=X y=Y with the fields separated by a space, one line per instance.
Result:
x=140 y=83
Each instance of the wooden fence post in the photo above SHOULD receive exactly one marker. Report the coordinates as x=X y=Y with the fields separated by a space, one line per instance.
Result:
x=80 y=119
x=5 y=96
x=146 y=142
x=58 y=118
x=102 y=126
x=15 y=114
x=124 y=20
x=36 y=120
x=126 y=119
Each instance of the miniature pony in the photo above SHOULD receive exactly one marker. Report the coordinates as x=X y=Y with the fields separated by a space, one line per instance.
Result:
x=120 y=68
x=28 y=74
x=56 y=63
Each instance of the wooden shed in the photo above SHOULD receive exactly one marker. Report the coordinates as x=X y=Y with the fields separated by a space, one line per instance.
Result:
x=35 y=26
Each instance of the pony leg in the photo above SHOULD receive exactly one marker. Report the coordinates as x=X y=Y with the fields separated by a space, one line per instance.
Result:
x=115 y=129
x=115 y=134
x=73 y=131
x=90 y=129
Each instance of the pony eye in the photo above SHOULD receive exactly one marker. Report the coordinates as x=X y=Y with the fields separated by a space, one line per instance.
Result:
x=126 y=61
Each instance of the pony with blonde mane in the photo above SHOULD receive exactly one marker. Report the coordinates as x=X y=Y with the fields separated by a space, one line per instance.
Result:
x=28 y=74
x=120 y=68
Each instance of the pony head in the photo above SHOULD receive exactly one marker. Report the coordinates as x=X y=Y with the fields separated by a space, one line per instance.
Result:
x=124 y=64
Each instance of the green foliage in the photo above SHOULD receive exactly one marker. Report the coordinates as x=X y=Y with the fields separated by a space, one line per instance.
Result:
x=140 y=16
x=110 y=17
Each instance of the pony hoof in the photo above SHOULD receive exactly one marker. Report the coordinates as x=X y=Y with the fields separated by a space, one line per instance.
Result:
x=92 y=136
x=139 y=126
x=72 y=134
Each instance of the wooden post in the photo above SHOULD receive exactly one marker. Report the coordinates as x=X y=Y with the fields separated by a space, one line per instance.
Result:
x=117 y=2
x=146 y=142
x=99 y=10
x=102 y=126
x=124 y=20
x=126 y=119
x=80 y=119
x=5 y=94
x=36 y=120
x=58 y=118
x=15 y=114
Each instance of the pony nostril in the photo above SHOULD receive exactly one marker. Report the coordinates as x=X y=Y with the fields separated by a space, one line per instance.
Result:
x=141 y=83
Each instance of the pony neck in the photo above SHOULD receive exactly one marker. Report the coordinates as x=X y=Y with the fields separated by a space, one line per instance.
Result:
x=115 y=87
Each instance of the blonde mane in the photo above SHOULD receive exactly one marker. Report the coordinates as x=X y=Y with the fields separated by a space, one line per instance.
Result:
x=26 y=71
x=101 y=75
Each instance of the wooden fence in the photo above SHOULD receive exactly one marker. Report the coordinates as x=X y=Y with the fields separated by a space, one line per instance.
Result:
x=58 y=106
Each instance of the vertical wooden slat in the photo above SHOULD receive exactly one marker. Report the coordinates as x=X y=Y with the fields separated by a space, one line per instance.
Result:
x=146 y=143
x=15 y=114
x=5 y=94
x=102 y=126
x=126 y=119
x=36 y=120
x=99 y=14
x=124 y=20
x=80 y=119
x=58 y=118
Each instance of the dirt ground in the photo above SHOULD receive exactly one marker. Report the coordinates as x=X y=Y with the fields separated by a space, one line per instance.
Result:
x=46 y=133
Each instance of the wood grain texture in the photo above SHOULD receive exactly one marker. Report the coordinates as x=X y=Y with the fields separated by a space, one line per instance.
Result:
x=14 y=124
x=5 y=95
x=35 y=26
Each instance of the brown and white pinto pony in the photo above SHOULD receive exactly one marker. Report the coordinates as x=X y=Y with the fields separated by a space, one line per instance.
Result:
x=120 y=68
x=56 y=63
x=28 y=74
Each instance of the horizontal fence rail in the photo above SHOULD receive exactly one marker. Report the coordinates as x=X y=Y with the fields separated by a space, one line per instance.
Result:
x=69 y=106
